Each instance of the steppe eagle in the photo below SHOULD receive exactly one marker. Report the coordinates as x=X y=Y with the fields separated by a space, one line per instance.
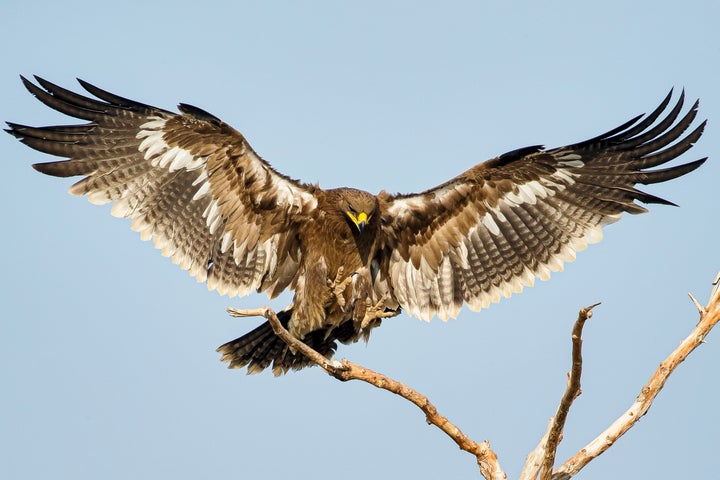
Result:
x=195 y=186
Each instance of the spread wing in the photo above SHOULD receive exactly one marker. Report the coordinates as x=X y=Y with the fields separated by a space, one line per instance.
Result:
x=188 y=181
x=492 y=230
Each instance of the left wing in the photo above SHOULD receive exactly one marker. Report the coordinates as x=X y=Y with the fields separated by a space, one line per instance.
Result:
x=492 y=230
x=188 y=181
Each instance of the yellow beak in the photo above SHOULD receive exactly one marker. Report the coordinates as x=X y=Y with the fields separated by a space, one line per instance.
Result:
x=360 y=221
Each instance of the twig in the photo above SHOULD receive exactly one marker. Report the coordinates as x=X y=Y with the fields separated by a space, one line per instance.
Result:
x=542 y=458
x=486 y=458
x=710 y=316
x=699 y=307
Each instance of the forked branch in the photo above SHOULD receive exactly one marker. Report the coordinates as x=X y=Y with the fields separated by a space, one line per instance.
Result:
x=709 y=317
x=541 y=460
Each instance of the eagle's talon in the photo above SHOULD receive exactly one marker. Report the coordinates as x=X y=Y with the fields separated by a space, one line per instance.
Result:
x=375 y=312
x=338 y=286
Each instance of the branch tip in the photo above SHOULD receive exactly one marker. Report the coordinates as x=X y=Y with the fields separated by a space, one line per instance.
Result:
x=699 y=307
x=587 y=312
x=254 y=312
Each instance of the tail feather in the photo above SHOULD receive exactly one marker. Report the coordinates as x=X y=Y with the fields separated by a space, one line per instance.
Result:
x=260 y=348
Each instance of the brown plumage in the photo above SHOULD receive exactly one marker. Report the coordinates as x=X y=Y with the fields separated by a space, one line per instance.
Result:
x=193 y=185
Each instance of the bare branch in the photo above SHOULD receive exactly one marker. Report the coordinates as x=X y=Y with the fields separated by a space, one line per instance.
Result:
x=710 y=316
x=571 y=393
x=542 y=458
x=486 y=458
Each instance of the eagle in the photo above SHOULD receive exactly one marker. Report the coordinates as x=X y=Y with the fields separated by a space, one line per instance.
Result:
x=195 y=186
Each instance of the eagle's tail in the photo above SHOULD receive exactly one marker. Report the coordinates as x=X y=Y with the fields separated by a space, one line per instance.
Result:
x=260 y=347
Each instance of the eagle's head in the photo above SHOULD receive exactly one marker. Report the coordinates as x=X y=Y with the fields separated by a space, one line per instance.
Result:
x=358 y=206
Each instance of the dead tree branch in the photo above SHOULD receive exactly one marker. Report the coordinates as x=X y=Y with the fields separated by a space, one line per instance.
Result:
x=709 y=317
x=346 y=370
x=541 y=460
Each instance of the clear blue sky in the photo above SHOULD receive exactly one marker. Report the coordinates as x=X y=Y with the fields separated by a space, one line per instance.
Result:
x=107 y=350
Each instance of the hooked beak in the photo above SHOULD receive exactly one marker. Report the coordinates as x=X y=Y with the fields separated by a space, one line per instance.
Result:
x=360 y=221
